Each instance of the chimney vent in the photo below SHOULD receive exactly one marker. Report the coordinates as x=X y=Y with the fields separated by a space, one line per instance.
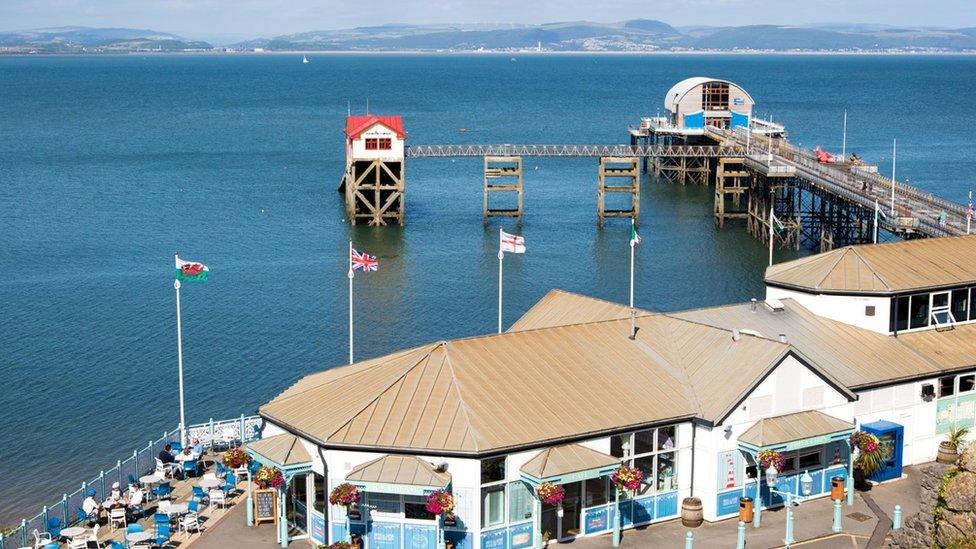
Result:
x=735 y=334
x=782 y=338
x=752 y=304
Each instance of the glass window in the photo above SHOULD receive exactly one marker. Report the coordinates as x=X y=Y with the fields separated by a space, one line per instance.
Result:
x=520 y=501
x=919 y=311
x=667 y=473
x=940 y=299
x=385 y=503
x=318 y=481
x=947 y=386
x=972 y=305
x=617 y=445
x=665 y=438
x=967 y=383
x=492 y=505
x=810 y=460
x=900 y=314
x=960 y=305
x=492 y=469
x=751 y=472
x=644 y=441
x=645 y=464
x=790 y=463
x=415 y=507
x=385 y=144
x=596 y=492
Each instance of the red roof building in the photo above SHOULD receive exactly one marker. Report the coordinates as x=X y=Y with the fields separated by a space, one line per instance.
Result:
x=356 y=125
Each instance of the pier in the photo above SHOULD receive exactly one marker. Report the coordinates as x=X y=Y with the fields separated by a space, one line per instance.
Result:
x=708 y=138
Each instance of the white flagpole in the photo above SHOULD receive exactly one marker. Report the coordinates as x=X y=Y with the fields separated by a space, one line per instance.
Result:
x=969 y=207
x=894 y=154
x=350 y=275
x=843 y=147
x=501 y=256
x=770 y=235
x=633 y=320
x=876 y=214
x=179 y=358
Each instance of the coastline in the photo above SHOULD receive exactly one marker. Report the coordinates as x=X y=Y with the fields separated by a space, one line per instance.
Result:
x=502 y=53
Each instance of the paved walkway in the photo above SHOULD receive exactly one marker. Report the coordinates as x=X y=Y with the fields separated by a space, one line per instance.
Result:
x=812 y=526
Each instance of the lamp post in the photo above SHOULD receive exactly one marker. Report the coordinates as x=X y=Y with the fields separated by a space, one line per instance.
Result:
x=850 y=475
x=806 y=487
x=625 y=446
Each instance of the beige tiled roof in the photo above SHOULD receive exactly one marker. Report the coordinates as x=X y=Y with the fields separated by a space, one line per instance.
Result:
x=882 y=268
x=949 y=349
x=408 y=470
x=476 y=395
x=856 y=357
x=566 y=459
x=561 y=308
x=283 y=449
x=792 y=427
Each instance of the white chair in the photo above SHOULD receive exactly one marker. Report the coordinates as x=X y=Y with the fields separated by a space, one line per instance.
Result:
x=164 y=506
x=79 y=542
x=42 y=539
x=189 y=521
x=217 y=498
x=241 y=473
x=212 y=476
x=165 y=470
x=116 y=517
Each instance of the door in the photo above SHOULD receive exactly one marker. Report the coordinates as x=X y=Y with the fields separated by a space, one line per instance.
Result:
x=569 y=523
x=295 y=507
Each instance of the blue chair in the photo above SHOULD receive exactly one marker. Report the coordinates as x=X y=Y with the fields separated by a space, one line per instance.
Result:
x=163 y=489
x=162 y=533
x=112 y=544
x=177 y=447
x=254 y=467
x=54 y=527
x=222 y=469
x=199 y=494
x=132 y=479
x=133 y=528
x=230 y=483
x=189 y=466
x=161 y=518
x=83 y=516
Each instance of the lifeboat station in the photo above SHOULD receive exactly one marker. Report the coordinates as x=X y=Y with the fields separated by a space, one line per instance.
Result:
x=874 y=338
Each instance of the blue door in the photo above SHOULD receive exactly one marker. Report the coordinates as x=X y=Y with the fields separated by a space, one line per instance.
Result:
x=892 y=435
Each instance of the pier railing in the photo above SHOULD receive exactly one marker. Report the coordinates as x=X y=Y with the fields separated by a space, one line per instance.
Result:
x=571 y=150
x=142 y=461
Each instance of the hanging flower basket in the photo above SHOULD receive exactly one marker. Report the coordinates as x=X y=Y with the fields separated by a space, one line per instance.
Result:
x=551 y=493
x=771 y=457
x=627 y=478
x=269 y=477
x=441 y=502
x=344 y=494
x=235 y=458
x=871 y=453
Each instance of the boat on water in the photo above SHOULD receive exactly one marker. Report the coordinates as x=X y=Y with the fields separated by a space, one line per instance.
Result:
x=304 y=60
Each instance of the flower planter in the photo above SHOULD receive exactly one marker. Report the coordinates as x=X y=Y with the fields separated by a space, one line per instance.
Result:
x=691 y=513
x=948 y=453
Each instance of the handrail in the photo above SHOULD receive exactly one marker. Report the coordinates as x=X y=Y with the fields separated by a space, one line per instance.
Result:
x=141 y=461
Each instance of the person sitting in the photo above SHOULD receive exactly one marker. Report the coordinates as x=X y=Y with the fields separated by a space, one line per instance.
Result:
x=168 y=461
x=90 y=507
x=197 y=448
x=114 y=496
x=185 y=455
x=136 y=498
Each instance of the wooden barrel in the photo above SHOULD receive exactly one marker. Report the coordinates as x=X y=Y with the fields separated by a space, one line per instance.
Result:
x=691 y=512
x=947 y=453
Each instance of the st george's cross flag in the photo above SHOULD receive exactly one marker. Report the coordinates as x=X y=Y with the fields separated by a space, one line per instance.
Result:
x=191 y=271
x=512 y=243
x=363 y=262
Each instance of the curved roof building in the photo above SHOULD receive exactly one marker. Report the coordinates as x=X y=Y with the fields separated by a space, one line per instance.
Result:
x=699 y=101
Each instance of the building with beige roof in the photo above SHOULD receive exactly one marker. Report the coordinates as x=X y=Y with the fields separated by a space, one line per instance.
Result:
x=569 y=394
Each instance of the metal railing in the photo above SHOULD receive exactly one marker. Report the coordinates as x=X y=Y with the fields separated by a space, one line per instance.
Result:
x=141 y=462
x=580 y=150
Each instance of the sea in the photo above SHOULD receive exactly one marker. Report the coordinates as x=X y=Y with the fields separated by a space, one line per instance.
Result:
x=111 y=164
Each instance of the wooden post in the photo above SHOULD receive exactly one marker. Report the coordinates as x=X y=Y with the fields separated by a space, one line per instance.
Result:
x=374 y=192
x=503 y=174
x=628 y=169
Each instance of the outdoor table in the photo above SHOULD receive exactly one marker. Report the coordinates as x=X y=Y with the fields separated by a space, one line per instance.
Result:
x=73 y=531
x=178 y=509
x=209 y=483
x=136 y=537
x=151 y=479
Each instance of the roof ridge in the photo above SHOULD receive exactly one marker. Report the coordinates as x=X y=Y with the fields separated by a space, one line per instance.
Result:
x=874 y=270
x=463 y=405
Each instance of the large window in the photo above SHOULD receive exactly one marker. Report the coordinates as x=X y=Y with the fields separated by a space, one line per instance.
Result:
x=596 y=491
x=653 y=451
x=520 y=500
x=318 y=482
x=492 y=492
x=379 y=144
x=916 y=311
x=415 y=507
x=715 y=96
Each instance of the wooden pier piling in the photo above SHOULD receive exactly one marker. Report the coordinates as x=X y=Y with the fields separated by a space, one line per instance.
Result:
x=616 y=169
x=503 y=174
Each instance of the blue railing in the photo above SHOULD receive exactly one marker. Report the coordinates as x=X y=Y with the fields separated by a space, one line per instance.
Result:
x=142 y=461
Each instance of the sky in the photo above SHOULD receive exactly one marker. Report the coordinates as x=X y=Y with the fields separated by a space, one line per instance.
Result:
x=221 y=20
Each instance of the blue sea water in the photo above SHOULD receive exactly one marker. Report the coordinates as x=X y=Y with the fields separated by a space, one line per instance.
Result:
x=110 y=164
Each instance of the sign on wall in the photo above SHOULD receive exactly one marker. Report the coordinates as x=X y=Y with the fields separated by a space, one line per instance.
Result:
x=317 y=528
x=728 y=469
x=520 y=536
x=595 y=520
x=384 y=535
x=494 y=539
x=416 y=536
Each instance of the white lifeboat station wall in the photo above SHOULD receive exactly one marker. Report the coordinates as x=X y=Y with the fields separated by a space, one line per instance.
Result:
x=720 y=467
x=356 y=149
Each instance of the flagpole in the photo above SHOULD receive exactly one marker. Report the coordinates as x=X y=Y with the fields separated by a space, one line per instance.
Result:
x=894 y=154
x=350 y=275
x=179 y=357
x=501 y=256
x=969 y=212
x=770 y=235
x=876 y=214
x=843 y=147
x=633 y=244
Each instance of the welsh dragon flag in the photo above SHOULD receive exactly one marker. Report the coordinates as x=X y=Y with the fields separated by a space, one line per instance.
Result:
x=188 y=270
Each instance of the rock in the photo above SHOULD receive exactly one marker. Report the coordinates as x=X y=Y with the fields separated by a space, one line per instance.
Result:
x=960 y=494
x=955 y=526
x=967 y=461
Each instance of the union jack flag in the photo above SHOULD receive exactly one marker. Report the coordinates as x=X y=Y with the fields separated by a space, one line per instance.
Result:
x=363 y=262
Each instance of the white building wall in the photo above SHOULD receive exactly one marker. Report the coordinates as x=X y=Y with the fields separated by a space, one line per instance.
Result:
x=903 y=404
x=847 y=309
x=356 y=149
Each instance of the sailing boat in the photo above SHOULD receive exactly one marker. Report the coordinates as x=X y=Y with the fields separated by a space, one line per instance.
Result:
x=304 y=60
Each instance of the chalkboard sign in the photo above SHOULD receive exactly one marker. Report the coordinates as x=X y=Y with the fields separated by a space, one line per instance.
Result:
x=265 y=506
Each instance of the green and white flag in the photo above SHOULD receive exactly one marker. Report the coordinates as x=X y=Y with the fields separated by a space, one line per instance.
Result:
x=635 y=238
x=191 y=271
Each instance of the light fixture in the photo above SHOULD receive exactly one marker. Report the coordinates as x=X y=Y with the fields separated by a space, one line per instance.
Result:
x=806 y=483
x=625 y=446
x=771 y=476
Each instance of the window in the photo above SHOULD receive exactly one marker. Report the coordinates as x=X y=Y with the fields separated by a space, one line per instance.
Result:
x=869 y=310
x=653 y=452
x=318 y=482
x=666 y=472
x=415 y=507
x=520 y=500
x=385 y=143
x=372 y=144
x=967 y=383
x=899 y=313
x=665 y=438
x=715 y=96
x=919 y=311
x=643 y=442
x=385 y=503
x=960 y=305
x=596 y=492
x=947 y=386
x=810 y=460
x=492 y=491
x=617 y=445
x=972 y=304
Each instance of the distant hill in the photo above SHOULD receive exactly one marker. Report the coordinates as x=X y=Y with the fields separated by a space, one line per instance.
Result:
x=786 y=38
x=86 y=39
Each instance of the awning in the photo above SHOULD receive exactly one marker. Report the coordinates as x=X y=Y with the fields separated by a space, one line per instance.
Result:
x=283 y=451
x=406 y=475
x=794 y=431
x=568 y=463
